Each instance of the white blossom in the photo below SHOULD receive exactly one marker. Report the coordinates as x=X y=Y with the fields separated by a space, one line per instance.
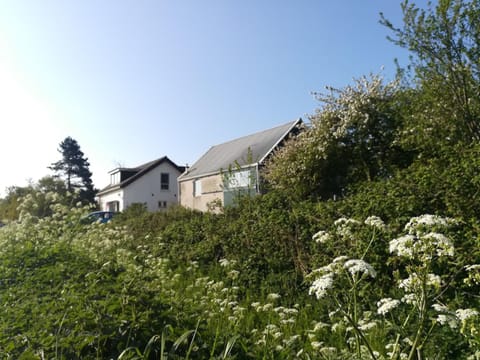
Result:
x=376 y=222
x=322 y=237
x=427 y=220
x=402 y=246
x=273 y=296
x=355 y=266
x=465 y=314
x=321 y=285
x=447 y=319
x=386 y=305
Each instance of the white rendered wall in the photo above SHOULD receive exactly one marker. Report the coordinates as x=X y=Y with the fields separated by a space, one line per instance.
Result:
x=116 y=195
x=146 y=189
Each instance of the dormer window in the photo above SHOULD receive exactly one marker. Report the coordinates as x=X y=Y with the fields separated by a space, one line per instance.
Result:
x=115 y=178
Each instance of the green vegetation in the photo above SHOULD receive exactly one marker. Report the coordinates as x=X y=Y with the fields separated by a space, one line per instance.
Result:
x=365 y=247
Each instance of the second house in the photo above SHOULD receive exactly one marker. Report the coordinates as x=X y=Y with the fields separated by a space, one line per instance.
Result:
x=153 y=184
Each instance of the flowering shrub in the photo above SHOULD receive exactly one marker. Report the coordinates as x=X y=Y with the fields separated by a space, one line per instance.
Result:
x=352 y=137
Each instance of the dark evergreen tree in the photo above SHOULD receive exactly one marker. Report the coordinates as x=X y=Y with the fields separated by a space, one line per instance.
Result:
x=73 y=168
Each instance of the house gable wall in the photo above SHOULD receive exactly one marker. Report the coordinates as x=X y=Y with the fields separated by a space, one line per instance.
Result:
x=147 y=189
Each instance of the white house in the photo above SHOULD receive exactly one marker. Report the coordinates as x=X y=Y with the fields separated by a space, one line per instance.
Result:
x=153 y=184
x=231 y=168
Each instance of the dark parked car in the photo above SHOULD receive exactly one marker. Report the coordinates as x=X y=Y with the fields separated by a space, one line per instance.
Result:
x=98 y=216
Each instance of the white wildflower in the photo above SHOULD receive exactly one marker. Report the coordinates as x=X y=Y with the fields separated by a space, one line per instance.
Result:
x=322 y=237
x=409 y=299
x=426 y=220
x=255 y=305
x=291 y=311
x=316 y=344
x=224 y=262
x=440 y=308
x=233 y=274
x=386 y=305
x=375 y=222
x=266 y=307
x=340 y=259
x=273 y=296
x=443 y=245
x=261 y=342
x=402 y=246
x=474 y=267
x=355 y=266
x=321 y=285
x=291 y=340
x=277 y=334
x=365 y=325
x=271 y=328
x=465 y=314
x=433 y=280
x=473 y=277
x=446 y=319
x=345 y=221
x=319 y=326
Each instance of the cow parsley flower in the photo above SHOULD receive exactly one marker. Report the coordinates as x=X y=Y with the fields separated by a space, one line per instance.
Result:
x=355 y=266
x=321 y=285
x=322 y=237
x=465 y=314
x=375 y=222
x=273 y=296
x=447 y=319
x=417 y=223
x=403 y=246
x=386 y=305
x=443 y=246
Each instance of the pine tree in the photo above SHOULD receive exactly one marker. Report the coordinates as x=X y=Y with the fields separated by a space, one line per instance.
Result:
x=73 y=168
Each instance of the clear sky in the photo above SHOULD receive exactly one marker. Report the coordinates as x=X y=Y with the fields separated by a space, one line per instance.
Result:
x=132 y=81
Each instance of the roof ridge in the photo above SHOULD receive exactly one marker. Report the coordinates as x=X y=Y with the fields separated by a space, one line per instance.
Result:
x=253 y=134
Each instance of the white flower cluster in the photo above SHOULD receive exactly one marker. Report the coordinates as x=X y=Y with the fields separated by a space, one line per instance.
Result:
x=322 y=237
x=427 y=221
x=339 y=265
x=415 y=282
x=375 y=222
x=344 y=227
x=422 y=244
x=453 y=318
x=358 y=266
x=386 y=305
x=473 y=277
x=321 y=285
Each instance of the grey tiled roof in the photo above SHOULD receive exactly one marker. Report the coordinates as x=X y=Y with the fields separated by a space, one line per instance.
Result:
x=243 y=151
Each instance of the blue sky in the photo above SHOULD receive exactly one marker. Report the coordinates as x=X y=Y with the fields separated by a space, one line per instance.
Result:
x=132 y=81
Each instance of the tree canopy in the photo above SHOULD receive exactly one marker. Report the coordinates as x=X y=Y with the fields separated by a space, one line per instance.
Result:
x=73 y=168
x=444 y=43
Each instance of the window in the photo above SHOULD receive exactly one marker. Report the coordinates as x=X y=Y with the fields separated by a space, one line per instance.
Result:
x=197 y=188
x=239 y=179
x=115 y=178
x=164 y=181
x=113 y=206
x=162 y=204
